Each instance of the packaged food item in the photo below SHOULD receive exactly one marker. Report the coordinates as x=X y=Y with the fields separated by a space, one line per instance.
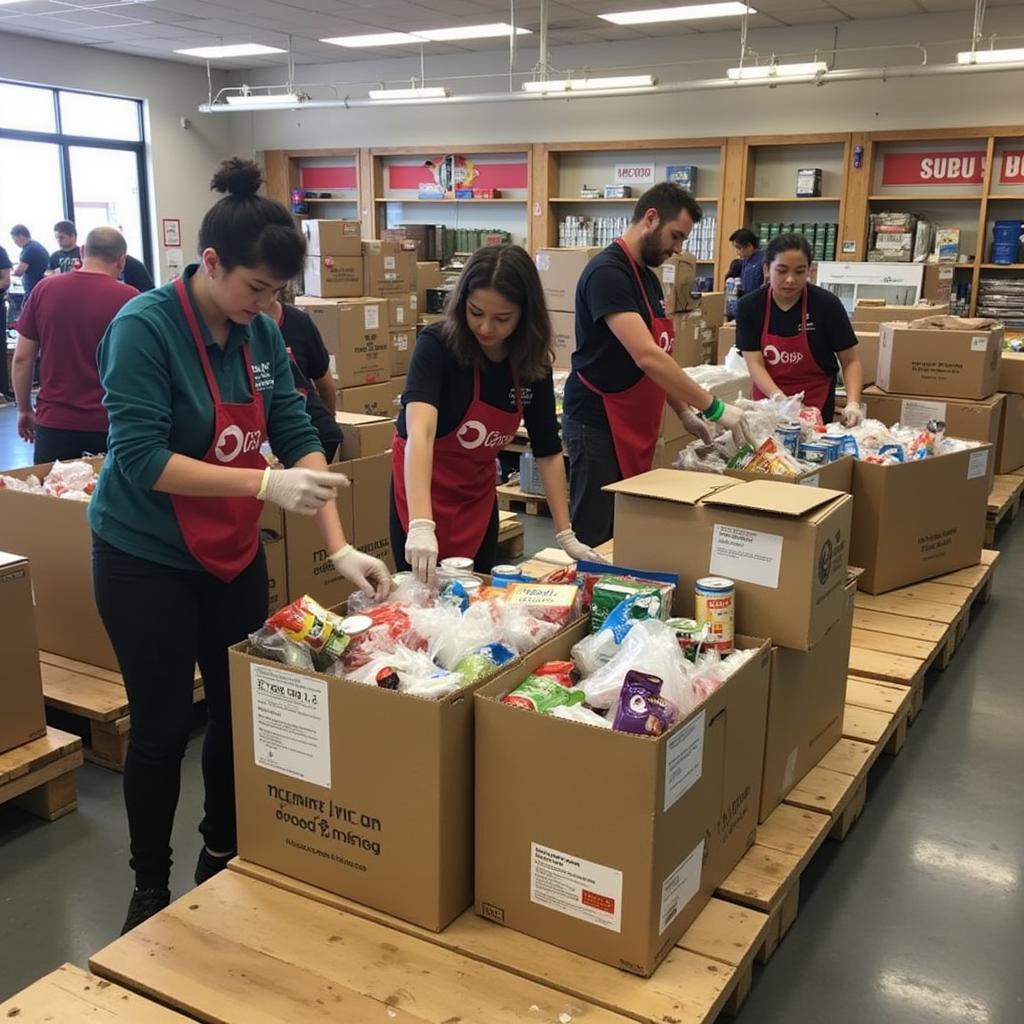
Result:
x=547 y=687
x=306 y=622
x=789 y=436
x=458 y=564
x=743 y=455
x=610 y=591
x=691 y=635
x=893 y=451
x=387 y=678
x=642 y=710
x=834 y=446
x=553 y=603
x=812 y=451
x=716 y=609
x=483 y=662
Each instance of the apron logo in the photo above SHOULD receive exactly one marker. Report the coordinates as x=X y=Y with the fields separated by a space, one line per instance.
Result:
x=664 y=342
x=773 y=357
x=472 y=434
x=233 y=441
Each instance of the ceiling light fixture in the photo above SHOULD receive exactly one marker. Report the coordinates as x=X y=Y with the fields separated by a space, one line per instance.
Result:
x=422 y=92
x=430 y=35
x=378 y=39
x=991 y=56
x=231 y=50
x=693 y=12
x=563 y=85
x=255 y=99
x=770 y=71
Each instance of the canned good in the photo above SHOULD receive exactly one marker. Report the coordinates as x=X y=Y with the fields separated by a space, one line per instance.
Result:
x=835 y=446
x=387 y=678
x=507 y=572
x=690 y=635
x=356 y=625
x=789 y=437
x=813 y=451
x=470 y=584
x=458 y=564
x=716 y=610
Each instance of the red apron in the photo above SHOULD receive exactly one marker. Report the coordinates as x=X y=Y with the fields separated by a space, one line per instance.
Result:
x=462 y=485
x=634 y=415
x=221 y=533
x=791 y=363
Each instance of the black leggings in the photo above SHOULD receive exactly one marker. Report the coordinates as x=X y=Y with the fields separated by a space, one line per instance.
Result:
x=483 y=560
x=161 y=622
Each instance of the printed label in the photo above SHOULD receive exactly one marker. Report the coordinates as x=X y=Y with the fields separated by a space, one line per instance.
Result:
x=789 y=775
x=400 y=314
x=634 y=174
x=684 y=759
x=402 y=342
x=811 y=481
x=680 y=887
x=390 y=262
x=979 y=343
x=579 y=888
x=977 y=464
x=916 y=414
x=371 y=318
x=291 y=724
x=668 y=273
x=747 y=555
x=543 y=261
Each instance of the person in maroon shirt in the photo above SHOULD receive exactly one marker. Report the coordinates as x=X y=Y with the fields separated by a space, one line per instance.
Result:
x=63 y=321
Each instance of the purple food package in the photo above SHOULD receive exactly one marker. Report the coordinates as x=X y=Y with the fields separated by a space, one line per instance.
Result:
x=642 y=710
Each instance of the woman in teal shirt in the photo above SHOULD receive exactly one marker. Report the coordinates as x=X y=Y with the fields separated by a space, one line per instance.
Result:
x=196 y=379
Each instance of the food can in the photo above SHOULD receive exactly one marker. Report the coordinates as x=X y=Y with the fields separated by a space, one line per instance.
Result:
x=470 y=584
x=506 y=572
x=813 y=451
x=834 y=444
x=716 y=609
x=690 y=635
x=789 y=436
x=356 y=625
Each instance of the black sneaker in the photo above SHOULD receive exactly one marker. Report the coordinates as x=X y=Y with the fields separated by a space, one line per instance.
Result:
x=145 y=903
x=208 y=865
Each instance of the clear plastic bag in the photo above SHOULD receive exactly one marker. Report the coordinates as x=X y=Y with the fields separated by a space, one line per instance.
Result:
x=581 y=714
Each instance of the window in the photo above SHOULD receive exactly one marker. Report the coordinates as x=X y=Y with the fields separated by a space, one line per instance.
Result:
x=25 y=108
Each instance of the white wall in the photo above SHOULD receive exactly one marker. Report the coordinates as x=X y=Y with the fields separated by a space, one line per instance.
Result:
x=181 y=162
x=923 y=103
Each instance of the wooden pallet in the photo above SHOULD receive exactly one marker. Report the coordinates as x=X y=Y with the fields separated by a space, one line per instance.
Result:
x=70 y=994
x=825 y=802
x=97 y=698
x=1003 y=503
x=251 y=942
x=511 y=537
x=511 y=497
x=39 y=776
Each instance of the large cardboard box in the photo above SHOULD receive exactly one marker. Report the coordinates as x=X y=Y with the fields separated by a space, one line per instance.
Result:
x=402 y=313
x=835 y=476
x=388 y=270
x=867 y=353
x=712 y=308
x=1011 y=373
x=617 y=864
x=397 y=387
x=1010 y=454
x=356 y=337
x=688 y=349
x=870 y=313
x=277 y=568
x=563 y=338
x=805 y=706
x=55 y=537
x=363 y=435
x=919 y=519
x=402 y=342
x=333 y=237
x=676 y=275
x=428 y=275
x=370 y=400
x=937 y=286
x=943 y=364
x=726 y=341
x=974 y=421
x=560 y=270
x=364 y=792
x=785 y=547
x=333 y=277
x=23 y=717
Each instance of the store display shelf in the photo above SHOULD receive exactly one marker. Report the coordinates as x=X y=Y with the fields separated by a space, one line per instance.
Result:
x=1005 y=199
x=1002 y=266
x=924 y=197
x=445 y=202
x=794 y=199
x=334 y=199
x=632 y=199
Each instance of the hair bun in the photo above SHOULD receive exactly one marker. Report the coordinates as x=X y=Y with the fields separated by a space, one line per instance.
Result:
x=237 y=177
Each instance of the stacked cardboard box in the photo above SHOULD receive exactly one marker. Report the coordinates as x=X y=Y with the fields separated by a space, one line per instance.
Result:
x=334 y=259
x=1011 y=435
x=23 y=718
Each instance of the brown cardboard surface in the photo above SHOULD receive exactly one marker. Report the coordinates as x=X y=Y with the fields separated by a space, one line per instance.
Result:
x=835 y=476
x=397 y=387
x=867 y=313
x=563 y=334
x=668 y=820
x=805 y=707
x=676 y=275
x=371 y=482
x=55 y=537
x=726 y=341
x=428 y=275
x=559 y=270
x=402 y=344
x=277 y=569
x=943 y=364
x=919 y=519
x=938 y=283
x=1011 y=373
x=21 y=693
x=712 y=308
x=392 y=831
x=867 y=352
x=333 y=237
x=687 y=349
x=787 y=548
x=364 y=435
x=391 y=275
x=333 y=277
x=369 y=400
x=272 y=518
x=356 y=337
x=1010 y=455
x=402 y=313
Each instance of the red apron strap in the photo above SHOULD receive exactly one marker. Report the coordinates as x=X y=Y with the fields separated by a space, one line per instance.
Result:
x=197 y=337
x=636 y=273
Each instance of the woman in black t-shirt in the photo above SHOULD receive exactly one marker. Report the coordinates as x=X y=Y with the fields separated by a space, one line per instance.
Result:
x=471 y=382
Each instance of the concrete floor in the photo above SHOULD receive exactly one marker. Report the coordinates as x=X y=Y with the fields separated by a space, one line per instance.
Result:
x=917 y=917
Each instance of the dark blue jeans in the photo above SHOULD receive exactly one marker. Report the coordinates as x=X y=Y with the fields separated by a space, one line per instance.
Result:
x=592 y=466
x=53 y=444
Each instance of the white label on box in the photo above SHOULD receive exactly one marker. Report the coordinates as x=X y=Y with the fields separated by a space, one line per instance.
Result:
x=916 y=414
x=414 y=302
x=979 y=343
x=400 y=310
x=977 y=464
x=811 y=481
x=680 y=887
x=634 y=174
x=668 y=273
x=945 y=273
x=789 y=775
x=579 y=888
x=333 y=364
x=402 y=342
x=747 y=555
x=390 y=262
x=543 y=261
x=684 y=759
x=371 y=318
x=291 y=724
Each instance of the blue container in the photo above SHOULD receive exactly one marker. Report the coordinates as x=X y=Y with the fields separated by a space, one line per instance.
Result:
x=1006 y=240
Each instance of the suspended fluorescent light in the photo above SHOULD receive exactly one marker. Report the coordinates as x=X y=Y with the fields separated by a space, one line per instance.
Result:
x=991 y=56
x=378 y=39
x=769 y=71
x=589 y=84
x=430 y=35
x=232 y=50
x=254 y=99
x=694 y=12
x=429 y=92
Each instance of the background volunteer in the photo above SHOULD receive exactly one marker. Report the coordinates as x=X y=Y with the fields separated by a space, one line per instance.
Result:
x=748 y=266
x=794 y=335
x=32 y=261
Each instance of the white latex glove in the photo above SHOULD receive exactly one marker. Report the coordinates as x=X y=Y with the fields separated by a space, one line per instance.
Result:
x=421 y=549
x=369 y=574
x=734 y=420
x=305 y=491
x=576 y=549
x=852 y=415
x=697 y=425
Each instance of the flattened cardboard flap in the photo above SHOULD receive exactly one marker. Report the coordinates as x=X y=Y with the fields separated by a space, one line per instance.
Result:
x=358 y=419
x=672 y=485
x=777 y=498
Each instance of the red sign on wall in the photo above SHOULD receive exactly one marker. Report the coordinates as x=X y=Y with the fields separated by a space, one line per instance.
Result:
x=1012 y=170
x=948 y=168
x=343 y=176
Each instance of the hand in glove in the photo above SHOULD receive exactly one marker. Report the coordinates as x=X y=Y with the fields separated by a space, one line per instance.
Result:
x=852 y=415
x=305 y=491
x=576 y=549
x=421 y=549
x=697 y=425
x=369 y=574
x=734 y=420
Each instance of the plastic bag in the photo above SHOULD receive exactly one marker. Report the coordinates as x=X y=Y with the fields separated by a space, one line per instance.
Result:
x=599 y=648
x=273 y=645
x=74 y=480
x=580 y=713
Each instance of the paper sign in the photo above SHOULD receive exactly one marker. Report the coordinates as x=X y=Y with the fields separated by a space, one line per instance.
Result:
x=849 y=248
x=915 y=413
x=390 y=262
x=681 y=886
x=668 y=273
x=1012 y=170
x=577 y=887
x=371 y=318
x=979 y=343
x=977 y=464
x=939 y=168
x=747 y=555
x=634 y=174
x=684 y=759
x=291 y=724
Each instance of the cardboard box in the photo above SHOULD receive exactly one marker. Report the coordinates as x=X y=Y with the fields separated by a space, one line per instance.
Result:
x=616 y=871
x=277 y=568
x=54 y=535
x=23 y=718
x=370 y=400
x=428 y=275
x=786 y=547
x=560 y=271
x=867 y=352
x=338 y=809
x=356 y=336
x=869 y=311
x=333 y=277
x=943 y=364
x=712 y=307
x=937 y=285
x=563 y=338
x=1010 y=452
x=402 y=313
x=726 y=341
x=397 y=387
x=272 y=518
x=834 y=476
x=676 y=275
x=388 y=270
x=333 y=237
x=919 y=519
x=364 y=435
x=402 y=343
x=688 y=349
x=1011 y=373
x=974 y=421
x=806 y=702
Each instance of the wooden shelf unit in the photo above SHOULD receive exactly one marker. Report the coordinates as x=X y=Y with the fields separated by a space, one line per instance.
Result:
x=283 y=172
